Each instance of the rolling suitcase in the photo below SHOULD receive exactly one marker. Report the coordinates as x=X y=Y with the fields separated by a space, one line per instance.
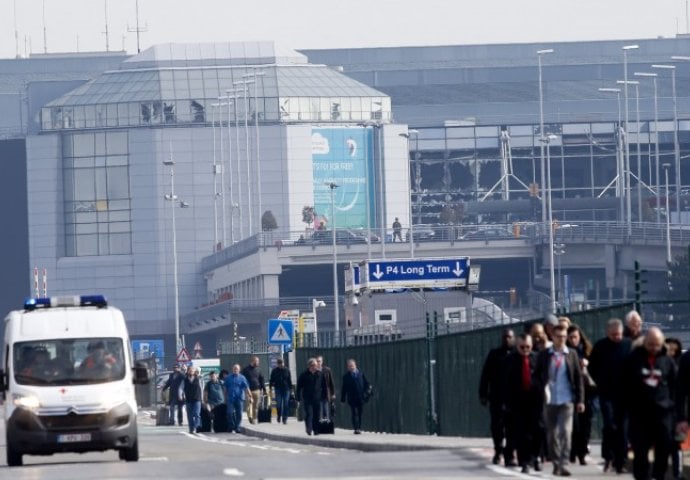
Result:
x=220 y=418
x=205 y=423
x=324 y=427
x=264 y=410
x=163 y=415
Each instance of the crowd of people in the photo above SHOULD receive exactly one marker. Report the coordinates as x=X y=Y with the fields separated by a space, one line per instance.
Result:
x=543 y=387
x=226 y=396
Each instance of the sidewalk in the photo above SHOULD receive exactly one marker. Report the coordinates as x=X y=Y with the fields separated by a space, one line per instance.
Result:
x=481 y=448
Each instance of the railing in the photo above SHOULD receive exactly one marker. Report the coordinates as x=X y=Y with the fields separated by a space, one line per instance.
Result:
x=646 y=233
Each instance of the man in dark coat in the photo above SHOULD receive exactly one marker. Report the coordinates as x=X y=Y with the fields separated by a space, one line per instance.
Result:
x=650 y=389
x=310 y=391
x=606 y=368
x=281 y=383
x=191 y=392
x=255 y=378
x=490 y=393
x=560 y=378
x=173 y=384
x=329 y=389
x=523 y=402
x=355 y=389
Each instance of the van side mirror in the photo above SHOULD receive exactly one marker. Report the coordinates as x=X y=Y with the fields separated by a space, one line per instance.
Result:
x=140 y=373
x=3 y=383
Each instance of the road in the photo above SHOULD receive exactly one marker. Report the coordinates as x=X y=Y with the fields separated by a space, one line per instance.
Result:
x=170 y=452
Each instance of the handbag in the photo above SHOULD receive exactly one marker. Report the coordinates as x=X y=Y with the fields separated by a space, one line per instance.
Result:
x=368 y=393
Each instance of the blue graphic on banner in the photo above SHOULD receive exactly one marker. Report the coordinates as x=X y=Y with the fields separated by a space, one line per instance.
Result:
x=144 y=349
x=343 y=156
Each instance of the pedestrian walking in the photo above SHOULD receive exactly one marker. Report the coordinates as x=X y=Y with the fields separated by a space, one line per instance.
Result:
x=236 y=393
x=491 y=394
x=310 y=392
x=523 y=403
x=328 y=399
x=356 y=390
x=650 y=390
x=191 y=393
x=633 y=328
x=558 y=371
x=674 y=349
x=214 y=402
x=172 y=385
x=582 y=422
x=257 y=386
x=606 y=368
x=281 y=383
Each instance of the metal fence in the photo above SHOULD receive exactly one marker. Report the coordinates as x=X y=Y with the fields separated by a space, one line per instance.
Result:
x=429 y=385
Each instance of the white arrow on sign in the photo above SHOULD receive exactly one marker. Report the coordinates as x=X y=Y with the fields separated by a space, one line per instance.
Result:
x=378 y=273
x=457 y=271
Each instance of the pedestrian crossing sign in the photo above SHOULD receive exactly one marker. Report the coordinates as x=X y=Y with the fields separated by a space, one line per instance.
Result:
x=280 y=331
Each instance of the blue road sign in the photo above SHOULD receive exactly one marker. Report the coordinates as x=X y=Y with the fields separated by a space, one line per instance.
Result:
x=419 y=273
x=280 y=331
x=143 y=349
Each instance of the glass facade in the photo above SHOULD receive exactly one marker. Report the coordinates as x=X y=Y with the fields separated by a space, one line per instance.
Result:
x=168 y=96
x=454 y=166
x=96 y=193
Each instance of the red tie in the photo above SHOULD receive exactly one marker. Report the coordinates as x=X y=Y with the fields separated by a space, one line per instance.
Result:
x=526 y=374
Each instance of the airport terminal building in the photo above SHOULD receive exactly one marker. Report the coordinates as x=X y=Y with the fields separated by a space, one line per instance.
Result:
x=438 y=133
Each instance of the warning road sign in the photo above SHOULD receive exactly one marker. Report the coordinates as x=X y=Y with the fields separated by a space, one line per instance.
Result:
x=183 y=356
x=280 y=331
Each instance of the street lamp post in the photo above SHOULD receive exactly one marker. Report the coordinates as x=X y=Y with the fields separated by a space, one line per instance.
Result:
x=668 y=218
x=172 y=198
x=252 y=78
x=336 y=304
x=314 y=305
x=540 y=53
x=676 y=145
x=626 y=188
x=639 y=158
x=552 y=274
x=409 y=187
x=559 y=251
x=245 y=87
x=653 y=76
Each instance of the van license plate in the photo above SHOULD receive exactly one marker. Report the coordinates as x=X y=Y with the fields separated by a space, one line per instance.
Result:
x=74 y=437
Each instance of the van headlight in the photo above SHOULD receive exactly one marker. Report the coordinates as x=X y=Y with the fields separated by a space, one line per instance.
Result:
x=26 y=401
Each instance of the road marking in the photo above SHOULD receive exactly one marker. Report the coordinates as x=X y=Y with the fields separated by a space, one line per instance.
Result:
x=236 y=443
x=153 y=459
x=233 y=472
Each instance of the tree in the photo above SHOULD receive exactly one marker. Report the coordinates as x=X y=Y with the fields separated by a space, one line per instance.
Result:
x=268 y=221
x=308 y=215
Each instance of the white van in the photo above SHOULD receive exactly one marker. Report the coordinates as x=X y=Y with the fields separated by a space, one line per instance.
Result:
x=68 y=379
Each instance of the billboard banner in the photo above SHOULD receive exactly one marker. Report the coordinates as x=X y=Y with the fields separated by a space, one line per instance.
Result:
x=343 y=156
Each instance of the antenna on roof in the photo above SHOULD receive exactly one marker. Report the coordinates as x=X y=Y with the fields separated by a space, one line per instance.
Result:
x=16 y=32
x=45 y=36
x=107 y=36
x=138 y=29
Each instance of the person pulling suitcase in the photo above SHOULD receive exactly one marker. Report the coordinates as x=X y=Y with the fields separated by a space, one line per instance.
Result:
x=214 y=405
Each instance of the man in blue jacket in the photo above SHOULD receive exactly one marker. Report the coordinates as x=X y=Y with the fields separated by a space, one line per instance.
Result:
x=236 y=392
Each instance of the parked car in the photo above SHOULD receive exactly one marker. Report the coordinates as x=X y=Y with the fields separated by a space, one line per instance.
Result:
x=421 y=233
x=488 y=234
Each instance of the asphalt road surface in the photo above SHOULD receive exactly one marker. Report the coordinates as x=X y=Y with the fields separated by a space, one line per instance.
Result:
x=170 y=452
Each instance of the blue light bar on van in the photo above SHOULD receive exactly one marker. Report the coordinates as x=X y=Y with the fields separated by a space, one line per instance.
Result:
x=66 y=301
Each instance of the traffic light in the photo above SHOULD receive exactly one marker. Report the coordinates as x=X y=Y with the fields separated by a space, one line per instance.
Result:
x=638 y=285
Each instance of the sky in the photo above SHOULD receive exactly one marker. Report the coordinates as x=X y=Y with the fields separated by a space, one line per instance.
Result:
x=78 y=25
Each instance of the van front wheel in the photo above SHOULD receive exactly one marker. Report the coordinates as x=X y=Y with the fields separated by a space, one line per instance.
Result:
x=127 y=454
x=14 y=458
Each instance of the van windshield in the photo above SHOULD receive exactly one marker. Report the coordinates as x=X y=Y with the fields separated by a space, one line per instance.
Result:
x=69 y=361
